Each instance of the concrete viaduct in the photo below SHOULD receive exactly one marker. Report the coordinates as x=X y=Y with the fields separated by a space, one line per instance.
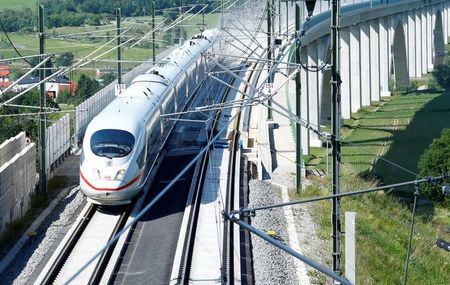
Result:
x=383 y=46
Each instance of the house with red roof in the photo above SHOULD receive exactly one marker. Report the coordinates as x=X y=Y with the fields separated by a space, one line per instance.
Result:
x=4 y=76
x=53 y=87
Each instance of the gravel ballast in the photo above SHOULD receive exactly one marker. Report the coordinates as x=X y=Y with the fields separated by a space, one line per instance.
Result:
x=34 y=254
x=271 y=265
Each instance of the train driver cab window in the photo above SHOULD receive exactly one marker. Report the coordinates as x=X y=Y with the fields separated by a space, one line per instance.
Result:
x=112 y=143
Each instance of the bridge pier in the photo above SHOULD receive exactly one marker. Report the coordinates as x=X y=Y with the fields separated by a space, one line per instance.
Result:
x=381 y=48
x=345 y=74
x=365 y=64
x=355 y=69
x=411 y=43
x=384 y=58
x=423 y=23
x=418 y=43
x=313 y=93
x=374 y=62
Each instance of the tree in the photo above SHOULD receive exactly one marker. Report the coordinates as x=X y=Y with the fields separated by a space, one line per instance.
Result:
x=108 y=78
x=11 y=126
x=94 y=20
x=64 y=59
x=64 y=97
x=435 y=161
x=86 y=87
x=442 y=74
x=48 y=67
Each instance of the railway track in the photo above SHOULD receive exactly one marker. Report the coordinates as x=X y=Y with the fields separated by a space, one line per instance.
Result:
x=235 y=248
x=231 y=238
x=93 y=229
x=194 y=209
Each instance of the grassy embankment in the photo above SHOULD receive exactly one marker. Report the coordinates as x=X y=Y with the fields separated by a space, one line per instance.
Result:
x=397 y=129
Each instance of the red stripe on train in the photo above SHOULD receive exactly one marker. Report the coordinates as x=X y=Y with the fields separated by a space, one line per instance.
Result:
x=112 y=189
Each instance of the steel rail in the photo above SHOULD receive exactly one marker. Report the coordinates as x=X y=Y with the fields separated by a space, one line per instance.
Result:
x=56 y=267
x=188 y=248
x=97 y=275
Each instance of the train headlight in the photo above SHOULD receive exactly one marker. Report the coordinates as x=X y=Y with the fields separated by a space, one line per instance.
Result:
x=96 y=173
x=120 y=174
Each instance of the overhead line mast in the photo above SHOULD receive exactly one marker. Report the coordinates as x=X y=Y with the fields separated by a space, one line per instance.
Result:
x=119 y=52
x=153 y=32
x=336 y=135
x=42 y=121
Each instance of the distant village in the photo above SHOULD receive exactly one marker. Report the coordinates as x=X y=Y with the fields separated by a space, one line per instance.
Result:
x=53 y=87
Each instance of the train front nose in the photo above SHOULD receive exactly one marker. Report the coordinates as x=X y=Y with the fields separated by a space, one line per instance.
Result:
x=111 y=191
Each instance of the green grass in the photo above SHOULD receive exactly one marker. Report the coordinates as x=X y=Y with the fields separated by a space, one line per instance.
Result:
x=382 y=233
x=17 y=4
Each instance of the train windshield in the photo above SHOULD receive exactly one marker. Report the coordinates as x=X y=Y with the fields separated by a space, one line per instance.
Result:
x=112 y=143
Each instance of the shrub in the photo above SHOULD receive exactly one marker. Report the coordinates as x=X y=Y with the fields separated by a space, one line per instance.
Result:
x=435 y=161
x=64 y=97
x=442 y=74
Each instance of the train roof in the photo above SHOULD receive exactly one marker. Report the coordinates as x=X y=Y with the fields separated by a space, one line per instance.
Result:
x=124 y=113
x=181 y=57
x=130 y=110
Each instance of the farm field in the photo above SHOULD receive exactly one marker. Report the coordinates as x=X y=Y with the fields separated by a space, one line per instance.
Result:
x=81 y=41
x=17 y=4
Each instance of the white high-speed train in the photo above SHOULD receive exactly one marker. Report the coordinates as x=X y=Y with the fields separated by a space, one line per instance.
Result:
x=123 y=140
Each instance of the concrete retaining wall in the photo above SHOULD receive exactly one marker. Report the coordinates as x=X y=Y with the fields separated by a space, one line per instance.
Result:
x=11 y=147
x=17 y=181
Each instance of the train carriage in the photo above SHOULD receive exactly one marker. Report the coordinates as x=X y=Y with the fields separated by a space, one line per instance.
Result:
x=121 y=142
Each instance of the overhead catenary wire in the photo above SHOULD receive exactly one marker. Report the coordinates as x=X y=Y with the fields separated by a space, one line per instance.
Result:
x=12 y=44
x=159 y=195
x=23 y=76
x=345 y=194
x=83 y=62
x=60 y=72
x=55 y=111
x=89 y=32
x=19 y=58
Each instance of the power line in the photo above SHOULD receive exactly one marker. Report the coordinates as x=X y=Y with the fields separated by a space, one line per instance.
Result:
x=345 y=194
x=12 y=45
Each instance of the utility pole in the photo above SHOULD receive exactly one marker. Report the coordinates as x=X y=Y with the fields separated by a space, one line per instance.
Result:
x=298 y=129
x=203 y=21
x=279 y=17
x=336 y=135
x=178 y=25
x=119 y=52
x=221 y=17
x=42 y=125
x=153 y=32
x=269 y=54
x=287 y=19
